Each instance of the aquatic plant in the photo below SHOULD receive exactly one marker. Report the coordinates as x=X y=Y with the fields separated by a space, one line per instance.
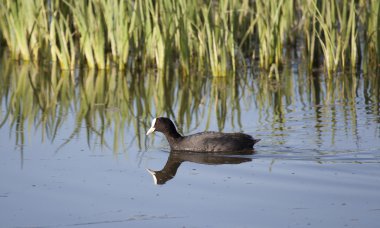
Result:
x=337 y=33
x=268 y=26
x=218 y=36
x=64 y=49
x=370 y=19
x=120 y=19
x=23 y=25
x=88 y=19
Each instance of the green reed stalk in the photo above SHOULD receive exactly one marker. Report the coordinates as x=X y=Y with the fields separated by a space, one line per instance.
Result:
x=352 y=44
x=218 y=38
x=89 y=21
x=120 y=18
x=218 y=35
x=378 y=31
x=184 y=36
x=287 y=21
x=268 y=25
x=309 y=29
x=327 y=35
x=337 y=37
x=153 y=33
x=348 y=32
x=24 y=25
x=97 y=33
x=83 y=25
x=372 y=35
x=64 y=49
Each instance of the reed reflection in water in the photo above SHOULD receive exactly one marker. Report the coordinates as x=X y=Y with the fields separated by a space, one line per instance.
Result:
x=122 y=103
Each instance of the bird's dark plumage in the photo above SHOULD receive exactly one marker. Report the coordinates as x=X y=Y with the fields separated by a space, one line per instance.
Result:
x=204 y=141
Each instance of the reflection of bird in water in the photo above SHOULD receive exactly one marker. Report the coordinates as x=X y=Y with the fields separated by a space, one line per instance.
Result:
x=177 y=157
x=204 y=141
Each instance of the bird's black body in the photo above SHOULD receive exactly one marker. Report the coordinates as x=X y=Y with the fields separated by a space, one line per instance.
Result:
x=204 y=141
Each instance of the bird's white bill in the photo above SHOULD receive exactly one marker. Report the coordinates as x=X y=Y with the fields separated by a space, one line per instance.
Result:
x=153 y=173
x=152 y=129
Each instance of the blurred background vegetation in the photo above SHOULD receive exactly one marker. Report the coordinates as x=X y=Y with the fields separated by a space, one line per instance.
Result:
x=219 y=36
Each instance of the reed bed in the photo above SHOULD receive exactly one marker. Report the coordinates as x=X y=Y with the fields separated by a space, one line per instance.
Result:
x=218 y=36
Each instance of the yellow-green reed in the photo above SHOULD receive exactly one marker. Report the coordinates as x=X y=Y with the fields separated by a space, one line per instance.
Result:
x=220 y=36
x=377 y=25
x=337 y=34
x=62 y=42
x=217 y=37
x=308 y=24
x=23 y=25
x=272 y=23
x=369 y=17
x=89 y=20
x=155 y=36
x=120 y=20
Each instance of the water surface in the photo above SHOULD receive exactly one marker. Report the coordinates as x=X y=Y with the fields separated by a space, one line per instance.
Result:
x=73 y=150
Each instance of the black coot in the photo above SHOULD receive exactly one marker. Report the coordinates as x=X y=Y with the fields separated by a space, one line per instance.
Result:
x=202 y=142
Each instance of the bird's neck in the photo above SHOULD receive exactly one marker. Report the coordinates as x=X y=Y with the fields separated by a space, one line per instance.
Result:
x=172 y=136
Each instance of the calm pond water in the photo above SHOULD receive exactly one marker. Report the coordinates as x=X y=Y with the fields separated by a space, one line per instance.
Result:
x=73 y=150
